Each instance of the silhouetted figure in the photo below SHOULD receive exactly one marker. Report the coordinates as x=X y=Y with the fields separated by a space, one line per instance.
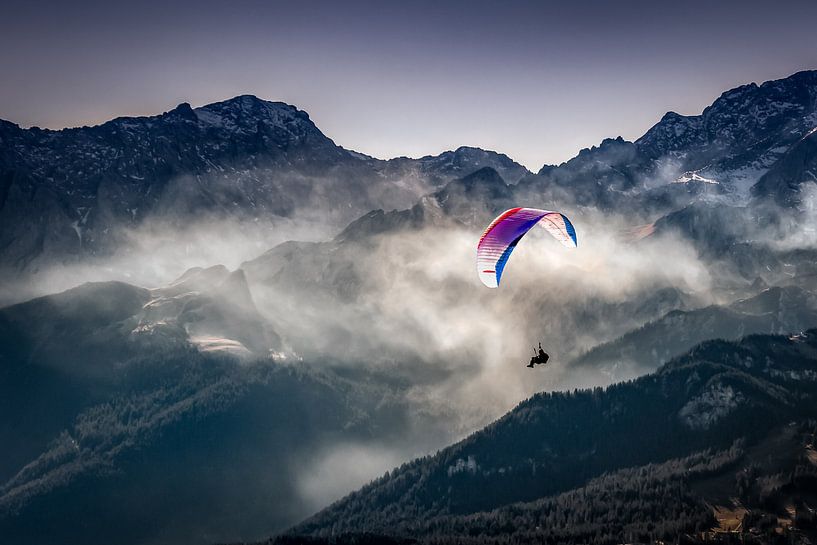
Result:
x=543 y=357
x=539 y=358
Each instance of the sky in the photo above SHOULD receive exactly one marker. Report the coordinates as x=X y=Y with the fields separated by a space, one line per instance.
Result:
x=535 y=80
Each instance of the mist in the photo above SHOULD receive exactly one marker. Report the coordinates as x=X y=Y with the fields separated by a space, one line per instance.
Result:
x=418 y=311
x=331 y=473
x=157 y=252
x=405 y=309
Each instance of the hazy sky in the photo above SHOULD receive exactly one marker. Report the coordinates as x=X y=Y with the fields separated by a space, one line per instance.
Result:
x=536 y=80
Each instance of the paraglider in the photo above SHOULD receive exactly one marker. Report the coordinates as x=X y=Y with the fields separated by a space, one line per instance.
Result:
x=540 y=358
x=505 y=232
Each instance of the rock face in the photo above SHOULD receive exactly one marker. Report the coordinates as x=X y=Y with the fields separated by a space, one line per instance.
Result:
x=745 y=130
x=720 y=154
x=787 y=182
x=749 y=116
x=70 y=193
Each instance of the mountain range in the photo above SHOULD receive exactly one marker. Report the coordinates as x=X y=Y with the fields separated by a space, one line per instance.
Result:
x=70 y=194
x=206 y=407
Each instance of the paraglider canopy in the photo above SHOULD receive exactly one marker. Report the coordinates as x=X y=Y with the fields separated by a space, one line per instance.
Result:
x=505 y=232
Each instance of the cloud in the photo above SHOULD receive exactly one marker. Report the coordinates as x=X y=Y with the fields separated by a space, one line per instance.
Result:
x=331 y=473
x=418 y=311
x=407 y=308
x=157 y=252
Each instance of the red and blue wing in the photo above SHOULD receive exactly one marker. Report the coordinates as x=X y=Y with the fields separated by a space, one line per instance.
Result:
x=505 y=232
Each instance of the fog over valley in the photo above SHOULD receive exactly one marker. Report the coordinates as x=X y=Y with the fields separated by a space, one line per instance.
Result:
x=218 y=325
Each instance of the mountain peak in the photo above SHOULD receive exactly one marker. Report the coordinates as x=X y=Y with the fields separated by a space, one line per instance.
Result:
x=251 y=103
x=671 y=116
x=250 y=114
x=248 y=98
x=739 y=91
x=248 y=110
x=777 y=111
x=612 y=141
x=473 y=150
x=8 y=125
x=464 y=160
x=379 y=221
x=483 y=176
x=182 y=111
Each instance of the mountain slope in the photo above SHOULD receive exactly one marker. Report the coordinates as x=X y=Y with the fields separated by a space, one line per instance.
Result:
x=193 y=448
x=63 y=353
x=714 y=395
x=137 y=415
x=786 y=181
x=774 y=311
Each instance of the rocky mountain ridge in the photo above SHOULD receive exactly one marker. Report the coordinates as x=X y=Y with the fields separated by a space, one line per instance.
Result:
x=68 y=194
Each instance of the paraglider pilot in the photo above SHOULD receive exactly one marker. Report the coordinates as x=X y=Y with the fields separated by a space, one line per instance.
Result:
x=540 y=358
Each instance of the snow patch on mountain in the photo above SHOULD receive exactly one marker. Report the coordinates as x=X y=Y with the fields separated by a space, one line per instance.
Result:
x=693 y=176
x=210 y=344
